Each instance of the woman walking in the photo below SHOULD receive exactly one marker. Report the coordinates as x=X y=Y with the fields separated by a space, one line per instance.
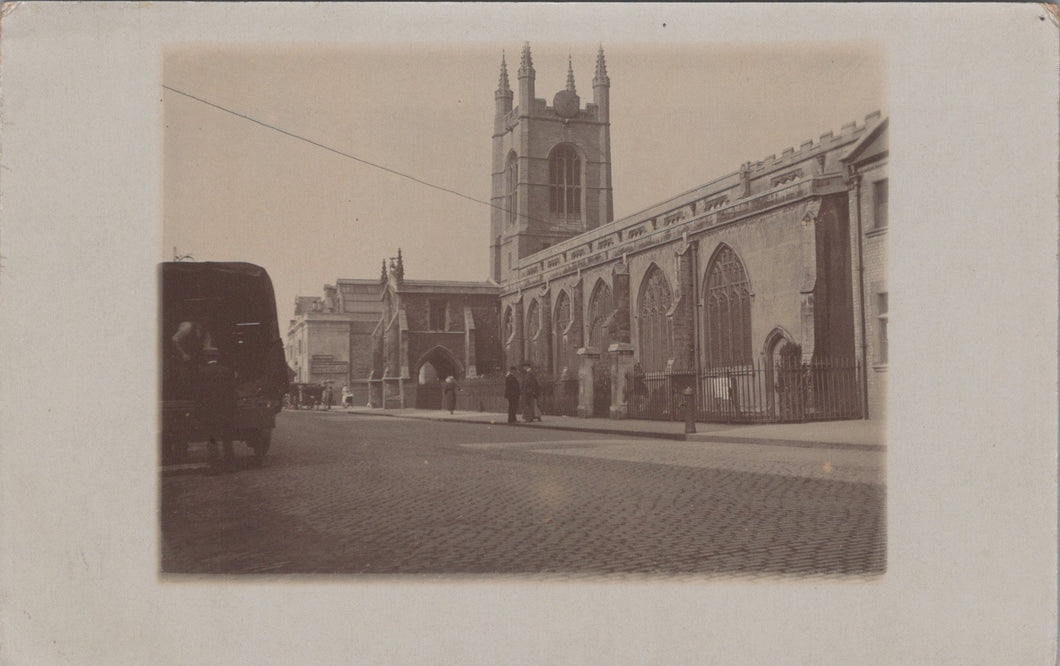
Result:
x=449 y=390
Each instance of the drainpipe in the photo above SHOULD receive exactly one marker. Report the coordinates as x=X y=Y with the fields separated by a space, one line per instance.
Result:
x=861 y=299
x=696 y=323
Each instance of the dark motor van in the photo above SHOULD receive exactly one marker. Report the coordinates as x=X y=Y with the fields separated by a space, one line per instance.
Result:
x=235 y=303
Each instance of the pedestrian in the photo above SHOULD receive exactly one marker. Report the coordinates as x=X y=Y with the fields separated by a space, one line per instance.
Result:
x=191 y=338
x=511 y=393
x=450 y=390
x=529 y=391
x=327 y=395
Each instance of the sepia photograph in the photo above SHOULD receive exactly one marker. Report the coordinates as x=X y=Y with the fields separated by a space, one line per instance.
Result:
x=503 y=344
x=529 y=333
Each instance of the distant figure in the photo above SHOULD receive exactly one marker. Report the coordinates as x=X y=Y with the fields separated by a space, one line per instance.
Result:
x=450 y=390
x=511 y=393
x=529 y=391
x=326 y=396
x=640 y=388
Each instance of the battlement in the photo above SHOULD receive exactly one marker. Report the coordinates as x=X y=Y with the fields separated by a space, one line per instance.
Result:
x=809 y=147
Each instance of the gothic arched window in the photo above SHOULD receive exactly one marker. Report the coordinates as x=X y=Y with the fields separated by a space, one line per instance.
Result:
x=562 y=321
x=728 y=300
x=509 y=330
x=533 y=321
x=511 y=184
x=656 y=329
x=536 y=344
x=600 y=309
x=565 y=182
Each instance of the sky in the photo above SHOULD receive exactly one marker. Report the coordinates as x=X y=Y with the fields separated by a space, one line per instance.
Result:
x=234 y=189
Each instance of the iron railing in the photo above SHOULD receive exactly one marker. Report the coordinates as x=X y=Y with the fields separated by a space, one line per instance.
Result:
x=763 y=391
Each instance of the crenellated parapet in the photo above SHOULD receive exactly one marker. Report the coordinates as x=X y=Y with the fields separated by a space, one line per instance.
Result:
x=814 y=170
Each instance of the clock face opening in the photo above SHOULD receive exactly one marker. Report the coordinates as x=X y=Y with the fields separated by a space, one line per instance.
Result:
x=566 y=104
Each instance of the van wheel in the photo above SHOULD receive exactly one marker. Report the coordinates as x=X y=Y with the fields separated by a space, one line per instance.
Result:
x=259 y=441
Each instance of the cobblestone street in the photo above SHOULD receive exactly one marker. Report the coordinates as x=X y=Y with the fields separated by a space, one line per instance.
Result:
x=340 y=493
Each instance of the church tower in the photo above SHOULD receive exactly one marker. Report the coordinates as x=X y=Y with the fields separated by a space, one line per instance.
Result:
x=551 y=165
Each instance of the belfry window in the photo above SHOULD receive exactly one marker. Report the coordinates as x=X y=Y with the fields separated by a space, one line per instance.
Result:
x=728 y=301
x=565 y=182
x=511 y=186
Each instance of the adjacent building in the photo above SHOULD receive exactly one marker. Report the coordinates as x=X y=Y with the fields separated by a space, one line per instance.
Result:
x=329 y=338
x=866 y=168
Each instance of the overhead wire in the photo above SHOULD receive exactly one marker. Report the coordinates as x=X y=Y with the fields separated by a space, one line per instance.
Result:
x=347 y=155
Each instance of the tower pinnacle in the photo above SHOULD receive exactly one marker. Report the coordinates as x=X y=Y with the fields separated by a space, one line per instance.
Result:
x=526 y=64
x=503 y=85
x=570 y=76
x=601 y=78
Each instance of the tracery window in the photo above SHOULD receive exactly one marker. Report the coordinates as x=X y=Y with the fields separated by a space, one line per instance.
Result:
x=600 y=309
x=537 y=345
x=655 y=327
x=508 y=329
x=728 y=300
x=533 y=321
x=562 y=320
x=511 y=187
x=565 y=182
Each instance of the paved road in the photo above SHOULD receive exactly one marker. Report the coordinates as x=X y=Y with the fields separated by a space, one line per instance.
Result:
x=353 y=494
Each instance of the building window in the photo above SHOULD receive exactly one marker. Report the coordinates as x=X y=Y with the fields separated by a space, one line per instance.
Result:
x=533 y=321
x=511 y=186
x=563 y=320
x=728 y=300
x=437 y=310
x=881 y=328
x=655 y=327
x=509 y=328
x=537 y=344
x=879 y=204
x=600 y=309
x=565 y=182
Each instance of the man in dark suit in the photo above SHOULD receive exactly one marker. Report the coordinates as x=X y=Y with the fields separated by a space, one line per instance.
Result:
x=511 y=392
x=530 y=412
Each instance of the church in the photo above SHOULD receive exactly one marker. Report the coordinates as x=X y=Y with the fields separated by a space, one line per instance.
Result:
x=761 y=293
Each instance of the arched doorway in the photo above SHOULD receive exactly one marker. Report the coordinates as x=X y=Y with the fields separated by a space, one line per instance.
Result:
x=784 y=375
x=432 y=369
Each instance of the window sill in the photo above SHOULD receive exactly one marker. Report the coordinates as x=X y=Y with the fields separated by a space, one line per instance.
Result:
x=879 y=367
x=878 y=231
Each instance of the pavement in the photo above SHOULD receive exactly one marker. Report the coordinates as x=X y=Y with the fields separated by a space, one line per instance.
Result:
x=863 y=435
